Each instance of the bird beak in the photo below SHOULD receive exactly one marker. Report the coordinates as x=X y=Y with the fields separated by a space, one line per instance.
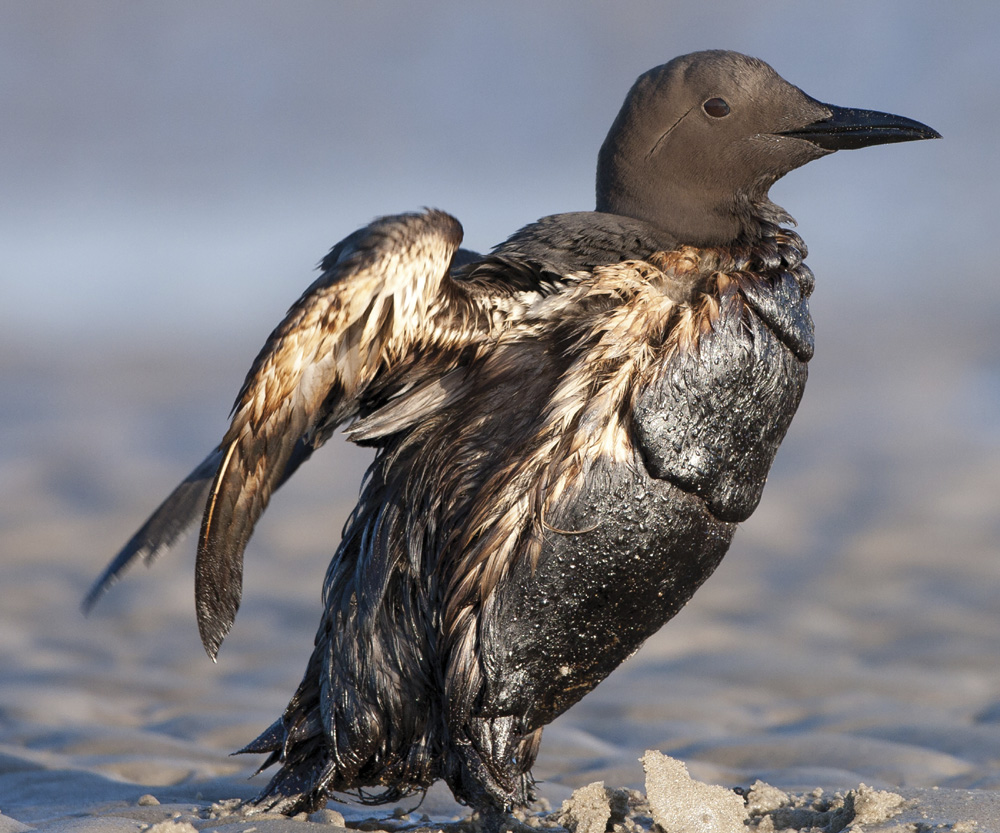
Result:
x=847 y=128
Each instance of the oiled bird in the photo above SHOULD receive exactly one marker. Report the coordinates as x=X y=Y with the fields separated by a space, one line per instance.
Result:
x=567 y=432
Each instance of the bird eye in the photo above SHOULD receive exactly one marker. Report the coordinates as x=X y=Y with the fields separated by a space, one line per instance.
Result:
x=716 y=107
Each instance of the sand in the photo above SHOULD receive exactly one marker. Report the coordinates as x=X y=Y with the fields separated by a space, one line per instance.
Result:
x=673 y=802
x=850 y=637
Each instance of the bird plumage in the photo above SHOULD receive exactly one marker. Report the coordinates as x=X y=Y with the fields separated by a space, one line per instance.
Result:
x=568 y=431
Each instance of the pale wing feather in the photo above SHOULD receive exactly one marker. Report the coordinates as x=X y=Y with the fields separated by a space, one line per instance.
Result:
x=380 y=293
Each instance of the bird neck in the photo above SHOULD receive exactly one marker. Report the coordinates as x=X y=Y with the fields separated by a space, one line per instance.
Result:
x=695 y=215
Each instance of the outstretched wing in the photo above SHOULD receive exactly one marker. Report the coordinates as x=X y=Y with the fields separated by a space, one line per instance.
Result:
x=172 y=519
x=384 y=293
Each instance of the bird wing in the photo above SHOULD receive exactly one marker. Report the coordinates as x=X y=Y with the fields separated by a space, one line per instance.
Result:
x=172 y=519
x=384 y=293
x=163 y=528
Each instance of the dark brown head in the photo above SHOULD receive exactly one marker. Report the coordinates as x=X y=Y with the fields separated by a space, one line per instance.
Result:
x=699 y=142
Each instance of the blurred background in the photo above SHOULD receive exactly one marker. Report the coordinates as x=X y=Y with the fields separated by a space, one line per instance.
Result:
x=171 y=173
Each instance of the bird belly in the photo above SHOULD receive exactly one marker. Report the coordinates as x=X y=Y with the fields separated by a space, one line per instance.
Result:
x=616 y=564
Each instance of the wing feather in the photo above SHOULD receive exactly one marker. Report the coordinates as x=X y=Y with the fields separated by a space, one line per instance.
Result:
x=172 y=519
x=161 y=531
x=385 y=291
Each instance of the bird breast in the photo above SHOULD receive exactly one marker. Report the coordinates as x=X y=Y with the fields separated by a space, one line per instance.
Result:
x=649 y=476
x=665 y=361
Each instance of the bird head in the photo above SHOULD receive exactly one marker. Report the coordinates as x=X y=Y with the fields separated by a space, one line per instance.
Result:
x=700 y=140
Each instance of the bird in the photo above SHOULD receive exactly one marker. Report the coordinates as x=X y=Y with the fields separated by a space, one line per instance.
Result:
x=568 y=430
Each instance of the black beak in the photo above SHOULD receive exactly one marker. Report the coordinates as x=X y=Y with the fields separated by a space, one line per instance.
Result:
x=847 y=129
